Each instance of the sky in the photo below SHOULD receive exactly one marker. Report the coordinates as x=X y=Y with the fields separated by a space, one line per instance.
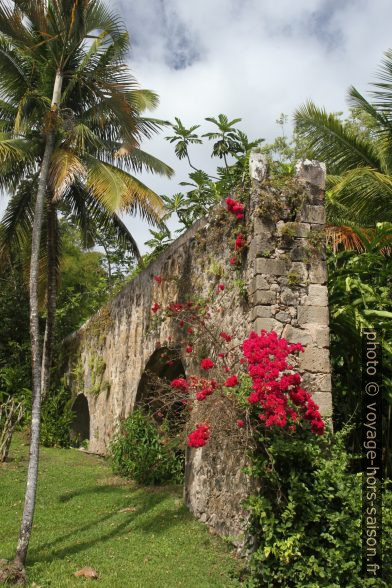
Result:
x=252 y=59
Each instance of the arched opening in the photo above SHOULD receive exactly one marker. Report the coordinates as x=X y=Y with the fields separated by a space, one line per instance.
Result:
x=80 y=428
x=153 y=392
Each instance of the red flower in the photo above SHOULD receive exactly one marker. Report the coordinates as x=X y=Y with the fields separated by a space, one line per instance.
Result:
x=221 y=287
x=240 y=423
x=231 y=382
x=253 y=398
x=230 y=203
x=155 y=307
x=189 y=349
x=199 y=437
x=206 y=364
x=221 y=354
x=239 y=242
x=234 y=207
x=225 y=336
x=233 y=260
x=317 y=426
x=190 y=331
x=158 y=279
x=179 y=383
x=276 y=390
x=181 y=323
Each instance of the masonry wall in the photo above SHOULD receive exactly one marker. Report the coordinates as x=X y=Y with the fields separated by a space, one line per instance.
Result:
x=284 y=276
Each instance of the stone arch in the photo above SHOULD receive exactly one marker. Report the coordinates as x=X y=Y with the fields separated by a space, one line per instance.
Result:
x=80 y=428
x=164 y=364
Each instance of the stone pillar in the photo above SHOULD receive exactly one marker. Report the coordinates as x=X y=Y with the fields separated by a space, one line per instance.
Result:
x=288 y=291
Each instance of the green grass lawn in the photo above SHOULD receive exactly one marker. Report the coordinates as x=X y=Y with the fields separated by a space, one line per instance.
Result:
x=133 y=536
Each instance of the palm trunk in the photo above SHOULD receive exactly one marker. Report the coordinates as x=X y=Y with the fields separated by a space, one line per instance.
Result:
x=51 y=293
x=32 y=472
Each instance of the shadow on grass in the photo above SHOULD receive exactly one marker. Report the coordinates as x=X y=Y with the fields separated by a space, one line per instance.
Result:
x=67 y=496
x=143 y=502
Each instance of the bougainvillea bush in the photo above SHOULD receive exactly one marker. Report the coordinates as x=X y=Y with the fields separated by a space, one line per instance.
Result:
x=222 y=362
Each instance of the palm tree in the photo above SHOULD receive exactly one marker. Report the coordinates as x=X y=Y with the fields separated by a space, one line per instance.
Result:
x=227 y=136
x=70 y=126
x=358 y=156
x=183 y=137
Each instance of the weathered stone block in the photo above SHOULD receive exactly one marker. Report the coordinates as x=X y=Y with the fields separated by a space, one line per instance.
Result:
x=323 y=383
x=313 y=314
x=317 y=295
x=267 y=324
x=313 y=214
x=324 y=402
x=264 y=297
x=283 y=317
x=315 y=360
x=298 y=268
x=293 y=229
x=311 y=171
x=299 y=253
x=296 y=335
x=258 y=166
x=319 y=334
x=289 y=297
x=275 y=267
x=261 y=312
x=258 y=283
x=318 y=273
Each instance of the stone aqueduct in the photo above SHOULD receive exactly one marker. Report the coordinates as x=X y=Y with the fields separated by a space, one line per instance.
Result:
x=285 y=278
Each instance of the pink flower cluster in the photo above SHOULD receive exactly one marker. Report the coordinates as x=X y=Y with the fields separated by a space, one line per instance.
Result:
x=276 y=388
x=206 y=364
x=231 y=382
x=179 y=383
x=199 y=437
x=235 y=208
x=239 y=242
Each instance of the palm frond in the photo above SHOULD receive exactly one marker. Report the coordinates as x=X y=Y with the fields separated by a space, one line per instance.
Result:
x=15 y=150
x=367 y=193
x=343 y=237
x=92 y=217
x=331 y=141
x=118 y=190
x=18 y=217
x=139 y=160
x=65 y=167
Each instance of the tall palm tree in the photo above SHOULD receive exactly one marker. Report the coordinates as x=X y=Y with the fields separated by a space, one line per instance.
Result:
x=70 y=125
x=359 y=160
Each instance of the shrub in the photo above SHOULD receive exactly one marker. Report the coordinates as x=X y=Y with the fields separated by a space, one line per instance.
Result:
x=145 y=453
x=57 y=417
x=306 y=520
